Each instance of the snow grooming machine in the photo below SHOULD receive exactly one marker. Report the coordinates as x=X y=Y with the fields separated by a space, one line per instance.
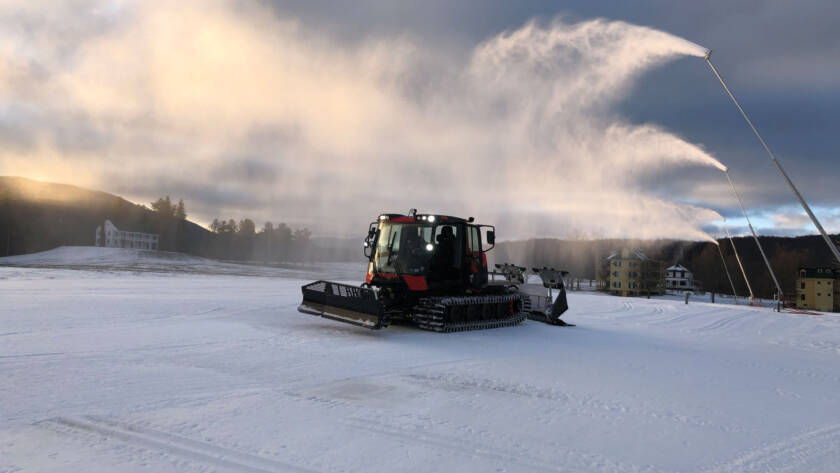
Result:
x=431 y=271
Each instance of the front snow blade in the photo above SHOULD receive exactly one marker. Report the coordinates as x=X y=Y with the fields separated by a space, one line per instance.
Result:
x=344 y=303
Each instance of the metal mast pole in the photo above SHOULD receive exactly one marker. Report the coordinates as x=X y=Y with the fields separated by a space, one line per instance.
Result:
x=738 y=259
x=723 y=260
x=755 y=237
x=828 y=241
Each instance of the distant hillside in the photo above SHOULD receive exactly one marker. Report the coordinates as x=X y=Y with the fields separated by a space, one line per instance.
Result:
x=37 y=216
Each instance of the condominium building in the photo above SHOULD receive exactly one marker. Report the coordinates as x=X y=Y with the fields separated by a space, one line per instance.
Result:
x=632 y=273
x=818 y=289
x=116 y=238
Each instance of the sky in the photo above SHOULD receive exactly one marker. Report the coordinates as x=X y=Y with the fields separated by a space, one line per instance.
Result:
x=580 y=119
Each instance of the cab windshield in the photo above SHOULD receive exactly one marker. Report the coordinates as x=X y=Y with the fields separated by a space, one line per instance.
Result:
x=415 y=248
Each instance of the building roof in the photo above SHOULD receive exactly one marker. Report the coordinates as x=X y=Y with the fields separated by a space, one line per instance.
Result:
x=123 y=228
x=678 y=267
x=634 y=254
x=820 y=272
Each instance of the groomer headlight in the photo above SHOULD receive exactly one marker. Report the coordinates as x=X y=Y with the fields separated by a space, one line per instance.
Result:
x=431 y=218
x=383 y=217
x=430 y=247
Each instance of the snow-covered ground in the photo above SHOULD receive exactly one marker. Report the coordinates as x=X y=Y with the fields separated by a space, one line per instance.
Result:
x=176 y=372
x=94 y=258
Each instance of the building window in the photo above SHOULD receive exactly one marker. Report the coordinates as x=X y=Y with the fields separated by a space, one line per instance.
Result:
x=802 y=297
x=802 y=285
x=819 y=293
x=682 y=283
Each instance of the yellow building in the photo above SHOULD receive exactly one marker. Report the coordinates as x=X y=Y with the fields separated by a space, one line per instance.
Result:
x=818 y=289
x=632 y=273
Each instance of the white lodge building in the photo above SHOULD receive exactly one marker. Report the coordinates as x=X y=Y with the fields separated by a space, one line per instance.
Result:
x=679 y=278
x=116 y=238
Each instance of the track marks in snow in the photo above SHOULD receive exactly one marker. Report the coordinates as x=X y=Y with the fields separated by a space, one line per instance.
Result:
x=518 y=460
x=814 y=450
x=454 y=445
x=29 y=355
x=720 y=325
x=821 y=346
x=571 y=402
x=173 y=445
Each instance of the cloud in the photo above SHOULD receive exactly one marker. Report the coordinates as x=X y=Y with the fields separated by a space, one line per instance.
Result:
x=243 y=112
x=790 y=220
x=795 y=219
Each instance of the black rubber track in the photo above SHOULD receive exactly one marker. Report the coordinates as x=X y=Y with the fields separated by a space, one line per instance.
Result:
x=456 y=314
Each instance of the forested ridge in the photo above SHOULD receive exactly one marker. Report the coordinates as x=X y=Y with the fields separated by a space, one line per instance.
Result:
x=37 y=216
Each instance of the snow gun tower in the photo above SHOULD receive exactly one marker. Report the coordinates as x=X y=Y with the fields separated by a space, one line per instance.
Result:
x=776 y=163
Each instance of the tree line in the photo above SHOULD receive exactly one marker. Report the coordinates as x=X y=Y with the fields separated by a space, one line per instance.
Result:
x=234 y=240
x=243 y=241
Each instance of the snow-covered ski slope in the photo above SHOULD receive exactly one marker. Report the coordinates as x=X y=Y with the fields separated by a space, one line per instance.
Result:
x=104 y=371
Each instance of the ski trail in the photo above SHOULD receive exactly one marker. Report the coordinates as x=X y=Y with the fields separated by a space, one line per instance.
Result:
x=192 y=450
x=793 y=454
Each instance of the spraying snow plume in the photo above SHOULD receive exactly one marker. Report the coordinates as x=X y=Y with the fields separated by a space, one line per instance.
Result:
x=245 y=113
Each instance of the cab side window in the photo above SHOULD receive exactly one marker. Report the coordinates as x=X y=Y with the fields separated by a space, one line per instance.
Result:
x=474 y=242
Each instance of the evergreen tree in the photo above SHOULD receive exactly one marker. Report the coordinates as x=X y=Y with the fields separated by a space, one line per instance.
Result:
x=180 y=210
x=301 y=242
x=163 y=206
x=247 y=227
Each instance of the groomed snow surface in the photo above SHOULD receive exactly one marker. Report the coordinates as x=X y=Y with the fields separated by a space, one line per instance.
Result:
x=104 y=370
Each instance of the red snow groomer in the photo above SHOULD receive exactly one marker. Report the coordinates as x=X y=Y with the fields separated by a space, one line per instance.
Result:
x=431 y=270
